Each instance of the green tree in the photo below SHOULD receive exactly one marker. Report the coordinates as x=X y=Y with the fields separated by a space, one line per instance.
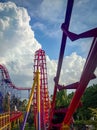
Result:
x=90 y=97
x=70 y=96
x=94 y=112
x=89 y=100
x=62 y=99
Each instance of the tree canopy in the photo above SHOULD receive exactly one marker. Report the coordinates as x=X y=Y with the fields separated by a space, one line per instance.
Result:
x=89 y=100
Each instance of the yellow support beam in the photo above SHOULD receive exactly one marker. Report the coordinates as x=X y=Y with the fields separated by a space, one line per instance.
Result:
x=5 y=121
x=30 y=99
x=65 y=127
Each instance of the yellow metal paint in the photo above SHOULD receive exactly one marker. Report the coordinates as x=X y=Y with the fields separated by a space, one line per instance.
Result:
x=65 y=127
x=5 y=121
x=32 y=93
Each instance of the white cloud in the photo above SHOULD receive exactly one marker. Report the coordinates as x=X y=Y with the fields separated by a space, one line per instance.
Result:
x=71 y=70
x=17 y=35
x=51 y=10
x=17 y=42
x=15 y=28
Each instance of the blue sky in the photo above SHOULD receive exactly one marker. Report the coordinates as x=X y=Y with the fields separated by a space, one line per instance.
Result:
x=27 y=25
x=47 y=17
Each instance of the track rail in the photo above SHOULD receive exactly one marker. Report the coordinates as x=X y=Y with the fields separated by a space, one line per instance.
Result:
x=41 y=95
x=6 y=78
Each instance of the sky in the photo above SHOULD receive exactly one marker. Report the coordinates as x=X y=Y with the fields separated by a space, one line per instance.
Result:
x=28 y=25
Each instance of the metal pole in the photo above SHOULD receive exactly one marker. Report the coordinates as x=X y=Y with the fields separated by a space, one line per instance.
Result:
x=88 y=71
x=61 y=55
x=38 y=102
x=29 y=103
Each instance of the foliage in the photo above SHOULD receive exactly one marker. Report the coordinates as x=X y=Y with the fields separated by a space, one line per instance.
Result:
x=14 y=101
x=87 y=114
x=94 y=112
x=23 y=105
x=89 y=100
x=79 y=123
x=90 y=97
x=30 y=119
x=62 y=99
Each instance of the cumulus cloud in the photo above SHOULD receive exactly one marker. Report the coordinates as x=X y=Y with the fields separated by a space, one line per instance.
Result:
x=71 y=70
x=15 y=29
x=17 y=40
x=16 y=33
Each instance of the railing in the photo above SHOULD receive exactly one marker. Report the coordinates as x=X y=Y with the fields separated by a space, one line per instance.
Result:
x=15 y=116
x=5 y=121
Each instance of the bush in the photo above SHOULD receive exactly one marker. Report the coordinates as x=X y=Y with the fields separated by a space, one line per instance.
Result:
x=80 y=124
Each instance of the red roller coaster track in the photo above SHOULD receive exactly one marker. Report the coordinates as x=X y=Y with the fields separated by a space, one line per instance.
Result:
x=40 y=64
x=6 y=78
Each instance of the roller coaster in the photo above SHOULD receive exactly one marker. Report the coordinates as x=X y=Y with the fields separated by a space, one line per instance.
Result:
x=44 y=109
x=7 y=88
